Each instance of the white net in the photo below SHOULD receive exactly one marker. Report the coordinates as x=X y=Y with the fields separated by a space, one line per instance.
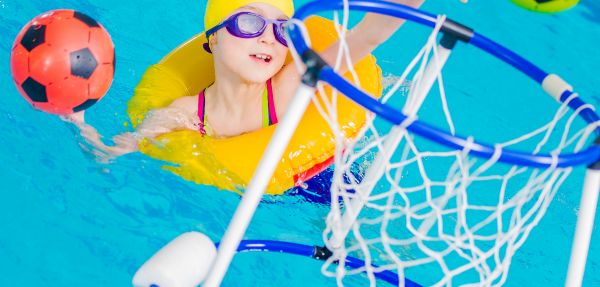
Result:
x=438 y=216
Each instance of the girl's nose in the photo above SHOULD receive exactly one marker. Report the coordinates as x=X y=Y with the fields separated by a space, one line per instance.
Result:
x=268 y=36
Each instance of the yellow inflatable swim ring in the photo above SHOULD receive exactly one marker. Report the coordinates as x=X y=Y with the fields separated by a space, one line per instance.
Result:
x=229 y=163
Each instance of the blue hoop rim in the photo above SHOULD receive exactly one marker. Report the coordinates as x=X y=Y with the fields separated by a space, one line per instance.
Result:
x=585 y=157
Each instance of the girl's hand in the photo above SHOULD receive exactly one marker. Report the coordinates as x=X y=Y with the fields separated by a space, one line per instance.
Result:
x=77 y=118
x=124 y=143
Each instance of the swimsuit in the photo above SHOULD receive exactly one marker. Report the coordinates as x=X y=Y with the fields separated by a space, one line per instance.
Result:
x=269 y=116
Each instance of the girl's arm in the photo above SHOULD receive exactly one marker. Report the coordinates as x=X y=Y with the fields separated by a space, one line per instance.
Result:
x=176 y=116
x=369 y=33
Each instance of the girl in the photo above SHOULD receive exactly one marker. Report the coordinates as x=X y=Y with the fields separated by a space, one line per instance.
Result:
x=249 y=49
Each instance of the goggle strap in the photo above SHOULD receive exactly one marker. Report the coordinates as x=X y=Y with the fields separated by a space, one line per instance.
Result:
x=206 y=47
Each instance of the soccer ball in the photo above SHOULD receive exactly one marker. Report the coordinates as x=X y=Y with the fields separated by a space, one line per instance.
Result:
x=62 y=62
x=546 y=6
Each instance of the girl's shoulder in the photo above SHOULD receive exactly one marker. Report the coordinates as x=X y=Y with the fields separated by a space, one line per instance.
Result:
x=285 y=83
x=188 y=103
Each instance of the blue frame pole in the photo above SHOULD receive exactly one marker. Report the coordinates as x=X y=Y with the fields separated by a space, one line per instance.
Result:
x=309 y=251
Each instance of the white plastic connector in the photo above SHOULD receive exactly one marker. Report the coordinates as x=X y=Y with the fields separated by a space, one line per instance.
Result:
x=184 y=262
x=555 y=86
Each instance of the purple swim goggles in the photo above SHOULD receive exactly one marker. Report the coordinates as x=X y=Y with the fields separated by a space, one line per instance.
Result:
x=249 y=25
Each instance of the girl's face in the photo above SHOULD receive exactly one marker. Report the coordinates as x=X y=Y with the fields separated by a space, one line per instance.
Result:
x=254 y=59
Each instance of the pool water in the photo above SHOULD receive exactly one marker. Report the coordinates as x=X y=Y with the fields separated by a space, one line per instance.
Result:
x=67 y=220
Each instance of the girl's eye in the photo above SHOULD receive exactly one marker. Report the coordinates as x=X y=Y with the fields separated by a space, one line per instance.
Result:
x=249 y=24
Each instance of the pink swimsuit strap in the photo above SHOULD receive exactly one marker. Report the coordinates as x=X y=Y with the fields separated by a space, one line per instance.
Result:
x=201 y=112
x=272 y=111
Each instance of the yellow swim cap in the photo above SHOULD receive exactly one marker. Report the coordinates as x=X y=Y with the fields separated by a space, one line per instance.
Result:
x=217 y=10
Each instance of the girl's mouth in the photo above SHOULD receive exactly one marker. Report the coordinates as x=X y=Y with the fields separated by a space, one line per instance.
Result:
x=262 y=57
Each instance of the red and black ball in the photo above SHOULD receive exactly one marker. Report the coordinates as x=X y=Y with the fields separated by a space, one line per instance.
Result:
x=63 y=61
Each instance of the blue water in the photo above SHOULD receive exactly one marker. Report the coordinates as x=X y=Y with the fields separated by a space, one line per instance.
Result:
x=66 y=220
